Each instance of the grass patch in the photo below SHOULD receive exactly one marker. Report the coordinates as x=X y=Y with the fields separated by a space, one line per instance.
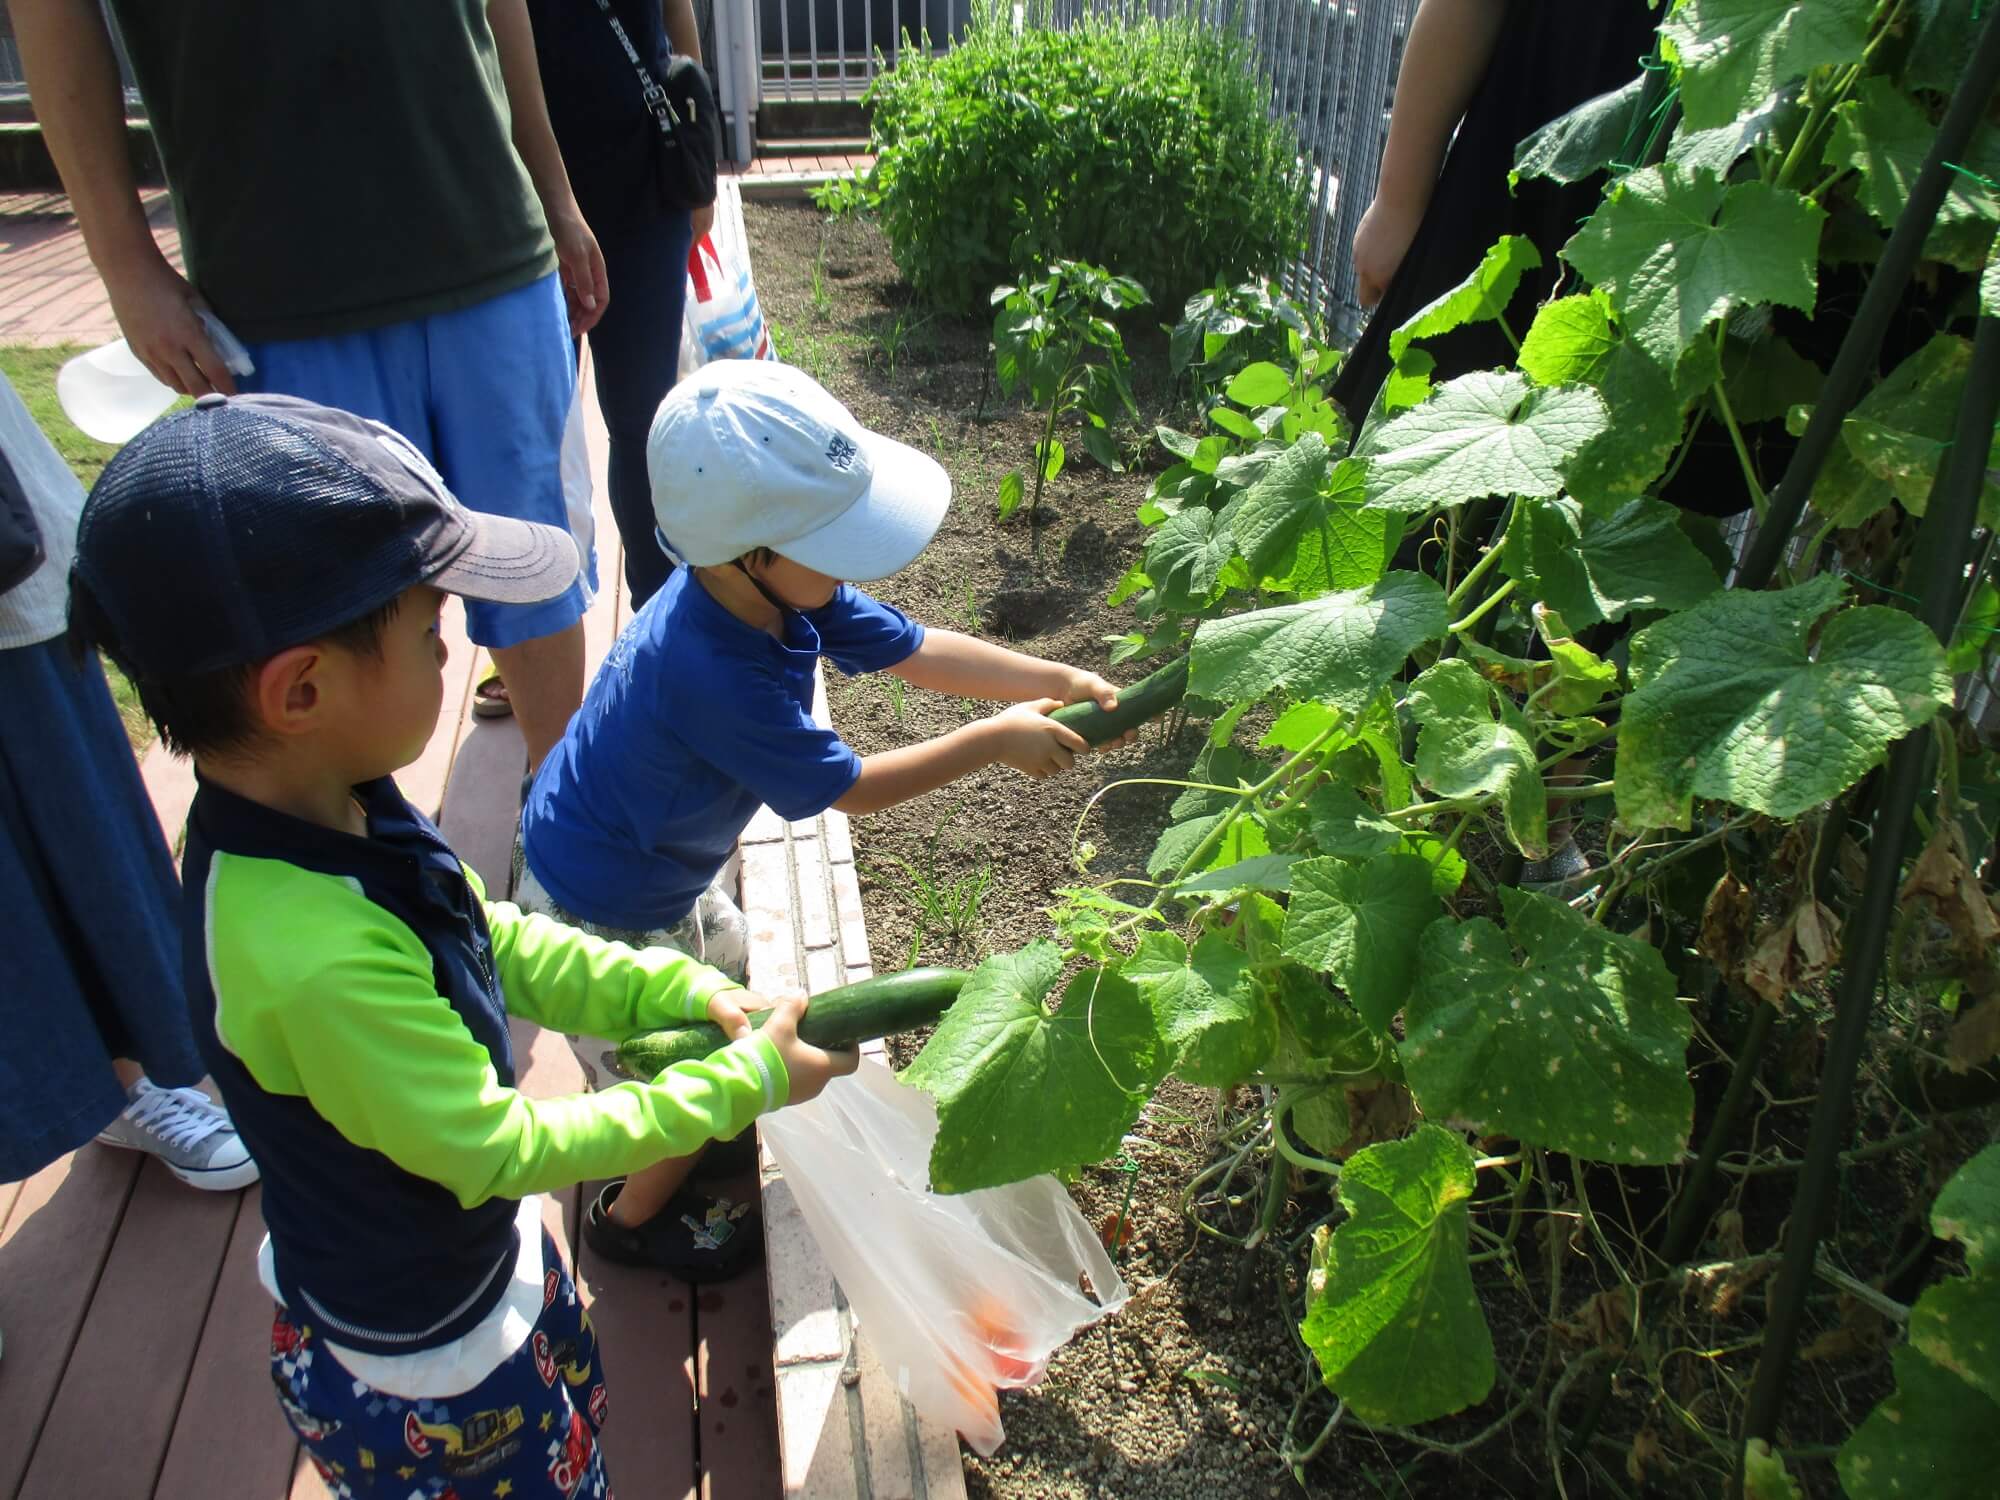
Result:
x=32 y=373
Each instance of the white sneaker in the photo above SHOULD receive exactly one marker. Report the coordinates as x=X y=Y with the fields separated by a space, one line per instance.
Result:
x=189 y=1132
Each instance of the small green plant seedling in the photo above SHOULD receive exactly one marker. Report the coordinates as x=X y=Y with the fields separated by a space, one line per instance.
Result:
x=943 y=905
x=1053 y=337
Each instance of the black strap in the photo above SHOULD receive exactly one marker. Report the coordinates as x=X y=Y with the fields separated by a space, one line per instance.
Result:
x=657 y=102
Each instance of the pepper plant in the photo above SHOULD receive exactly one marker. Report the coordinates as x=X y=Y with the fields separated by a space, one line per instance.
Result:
x=1409 y=708
x=1053 y=338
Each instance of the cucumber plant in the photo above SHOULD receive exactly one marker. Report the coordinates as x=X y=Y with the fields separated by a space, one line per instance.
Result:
x=1433 y=653
x=1054 y=338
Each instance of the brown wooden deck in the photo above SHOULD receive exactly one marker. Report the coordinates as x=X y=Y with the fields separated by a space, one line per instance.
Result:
x=136 y=1333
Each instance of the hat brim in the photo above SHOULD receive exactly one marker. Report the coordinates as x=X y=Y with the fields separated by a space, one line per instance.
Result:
x=893 y=521
x=509 y=562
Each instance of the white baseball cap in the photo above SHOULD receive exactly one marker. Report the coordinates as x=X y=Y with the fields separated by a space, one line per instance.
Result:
x=749 y=453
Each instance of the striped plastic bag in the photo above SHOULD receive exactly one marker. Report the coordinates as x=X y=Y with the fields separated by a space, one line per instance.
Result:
x=723 y=318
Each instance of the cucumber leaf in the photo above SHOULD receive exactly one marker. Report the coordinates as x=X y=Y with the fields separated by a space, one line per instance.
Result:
x=1733 y=699
x=1734 y=53
x=1000 y=1058
x=1392 y=1316
x=1342 y=647
x=1676 y=250
x=1210 y=1011
x=1475 y=741
x=1590 y=567
x=1354 y=921
x=1555 y=1031
x=1487 y=433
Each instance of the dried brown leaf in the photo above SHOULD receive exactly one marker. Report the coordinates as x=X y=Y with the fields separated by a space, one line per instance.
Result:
x=1602 y=1322
x=1382 y=1112
x=1647 y=1453
x=1943 y=873
x=1974 y=1039
x=1726 y=919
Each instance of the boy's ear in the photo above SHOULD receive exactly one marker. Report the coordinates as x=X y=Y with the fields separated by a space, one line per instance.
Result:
x=286 y=694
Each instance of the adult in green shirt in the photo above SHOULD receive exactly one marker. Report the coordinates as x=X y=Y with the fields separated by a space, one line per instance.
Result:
x=371 y=198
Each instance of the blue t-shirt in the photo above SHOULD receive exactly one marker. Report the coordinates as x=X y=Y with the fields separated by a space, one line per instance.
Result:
x=694 y=720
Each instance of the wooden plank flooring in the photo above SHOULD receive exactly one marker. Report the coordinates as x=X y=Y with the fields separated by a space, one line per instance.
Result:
x=137 y=1335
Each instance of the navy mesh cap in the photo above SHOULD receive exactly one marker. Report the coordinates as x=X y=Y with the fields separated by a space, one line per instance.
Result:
x=227 y=533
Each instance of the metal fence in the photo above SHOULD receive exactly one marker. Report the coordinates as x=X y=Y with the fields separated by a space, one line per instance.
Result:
x=1331 y=66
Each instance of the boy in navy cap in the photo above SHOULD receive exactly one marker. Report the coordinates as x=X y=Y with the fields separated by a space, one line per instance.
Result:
x=269 y=573
x=778 y=501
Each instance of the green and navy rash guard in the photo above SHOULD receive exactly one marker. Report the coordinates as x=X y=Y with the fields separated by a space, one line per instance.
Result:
x=350 y=996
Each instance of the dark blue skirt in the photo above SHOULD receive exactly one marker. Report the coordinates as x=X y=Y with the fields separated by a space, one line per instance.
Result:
x=90 y=959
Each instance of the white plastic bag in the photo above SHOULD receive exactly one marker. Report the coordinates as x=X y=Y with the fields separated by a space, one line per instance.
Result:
x=955 y=1295
x=723 y=320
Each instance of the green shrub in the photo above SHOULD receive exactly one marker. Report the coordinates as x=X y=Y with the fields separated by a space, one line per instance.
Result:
x=1143 y=146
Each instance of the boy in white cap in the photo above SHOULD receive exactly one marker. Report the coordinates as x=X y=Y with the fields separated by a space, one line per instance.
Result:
x=778 y=502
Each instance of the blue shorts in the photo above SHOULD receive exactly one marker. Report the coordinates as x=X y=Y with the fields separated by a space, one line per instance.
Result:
x=485 y=392
x=531 y=1425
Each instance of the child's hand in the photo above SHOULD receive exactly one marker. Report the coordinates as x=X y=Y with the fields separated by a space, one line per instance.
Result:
x=727 y=1011
x=1026 y=738
x=1088 y=687
x=810 y=1068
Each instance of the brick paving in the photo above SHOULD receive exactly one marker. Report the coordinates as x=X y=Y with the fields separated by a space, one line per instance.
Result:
x=49 y=291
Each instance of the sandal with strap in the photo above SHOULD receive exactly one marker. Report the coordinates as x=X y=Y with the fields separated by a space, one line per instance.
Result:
x=489 y=697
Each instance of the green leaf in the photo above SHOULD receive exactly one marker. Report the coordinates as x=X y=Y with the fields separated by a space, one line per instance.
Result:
x=1589 y=567
x=1764 y=1474
x=1050 y=455
x=1341 y=647
x=1989 y=287
x=1581 y=143
x=1766 y=377
x=1569 y=343
x=1011 y=492
x=1354 y=922
x=1474 y=741
x=1185 y=557
x=1481 y=297
x=1581 y=679
x=1324 y=1025
x=1968 y=1210
x=1097 y=443
x=1488 y=433
x=1956 y=1324
x=1933 y=1437
x=1396 y=1325
x=1729 y=701
x=1575 y=1042
x=1646 y=426
x=999 y=1059
x=1976 y=630
x=1900 y=431
x=1677 y=250
x=1408 y=385
x=1234 y=423
x=1207 y=1006
x=1344 y=825
x=1299 y=725
x=1945 y=33
x=1260 y=384
x=1734 y=53
x=1264 y=872
x=1302 y=523
x=1883 y=132
x=1720 y=147
x=1244 y=840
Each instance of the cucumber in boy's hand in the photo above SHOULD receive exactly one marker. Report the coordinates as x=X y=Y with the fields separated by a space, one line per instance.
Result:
x=838 y=1018
x=1146 y=699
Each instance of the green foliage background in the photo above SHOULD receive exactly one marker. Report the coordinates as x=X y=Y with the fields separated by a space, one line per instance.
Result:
x=1143 y=146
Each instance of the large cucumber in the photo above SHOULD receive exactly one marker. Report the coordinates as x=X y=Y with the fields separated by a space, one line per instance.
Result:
x=840 y=1017
x=1147 y=698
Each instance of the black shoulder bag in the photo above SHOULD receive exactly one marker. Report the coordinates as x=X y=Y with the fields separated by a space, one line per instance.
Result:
x=683 y=106
x=20 y=538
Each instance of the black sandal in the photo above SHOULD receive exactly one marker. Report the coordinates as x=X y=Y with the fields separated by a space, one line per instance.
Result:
x=697 y=1237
